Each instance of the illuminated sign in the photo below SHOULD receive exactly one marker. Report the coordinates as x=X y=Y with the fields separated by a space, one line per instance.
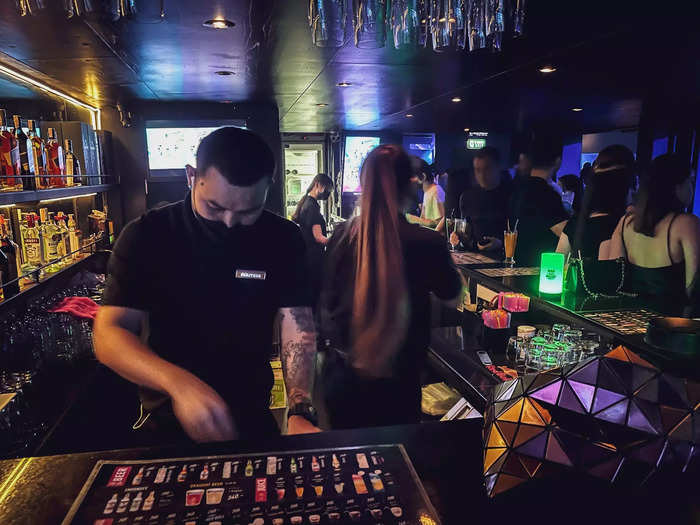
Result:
x=552 y=273
x=475 y=143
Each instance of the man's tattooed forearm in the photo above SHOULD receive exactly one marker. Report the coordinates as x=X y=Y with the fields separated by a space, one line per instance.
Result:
x=298 y=366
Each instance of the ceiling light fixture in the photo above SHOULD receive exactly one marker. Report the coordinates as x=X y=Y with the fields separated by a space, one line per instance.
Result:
x=344 y=84
x=576 y=109
x=547 y=69
x=95 y=113
x=321 y=104
x=409 y=115
x=219 y=23
x=224 y=73
x=456 y=99
x=466 y=130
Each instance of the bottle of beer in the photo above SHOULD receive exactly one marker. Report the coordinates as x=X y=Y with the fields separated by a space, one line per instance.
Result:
x=26 y=182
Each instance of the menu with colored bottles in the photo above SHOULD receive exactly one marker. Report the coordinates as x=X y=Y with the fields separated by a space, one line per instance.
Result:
x=372 y=484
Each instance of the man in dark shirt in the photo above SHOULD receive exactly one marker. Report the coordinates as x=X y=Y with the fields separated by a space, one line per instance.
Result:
x=537 y=205
x=486 y=203
x=209 y=275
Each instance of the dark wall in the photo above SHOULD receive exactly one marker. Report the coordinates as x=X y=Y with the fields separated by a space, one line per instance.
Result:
x=131 y=157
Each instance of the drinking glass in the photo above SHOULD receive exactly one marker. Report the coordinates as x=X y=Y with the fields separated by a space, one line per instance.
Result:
x=534 y=354
x=558 y=331
x=510 y=240
x=550 y=356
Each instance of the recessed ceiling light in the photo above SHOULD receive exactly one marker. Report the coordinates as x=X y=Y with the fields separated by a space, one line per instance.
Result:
x=456 y=99
x=466 y=130
x=409 y=115
x=344 y=84
x=219 y=23
x=547 y=69
x=321 y=104
x=576 y=109
x=224 y=73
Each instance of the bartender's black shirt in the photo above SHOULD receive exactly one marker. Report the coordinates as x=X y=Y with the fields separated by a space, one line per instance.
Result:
x=539 y=207
x=201 y=315
x=428 y=268
x=309 y=216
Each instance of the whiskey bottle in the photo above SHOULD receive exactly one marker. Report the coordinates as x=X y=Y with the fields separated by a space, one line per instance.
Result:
x=26 y=182
x=54 y=160
x=8 y=145
x=37 y=166
x=72 y=165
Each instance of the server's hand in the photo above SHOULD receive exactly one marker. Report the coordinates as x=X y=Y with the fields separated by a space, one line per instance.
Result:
x=300 y=425
x=203 y=414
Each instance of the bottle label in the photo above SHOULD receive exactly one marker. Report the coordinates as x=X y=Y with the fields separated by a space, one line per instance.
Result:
x=6 y=164
x=32 y=250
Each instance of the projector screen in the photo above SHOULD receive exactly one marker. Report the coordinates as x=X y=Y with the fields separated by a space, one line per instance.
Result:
x=356 y=149
x=173 y=144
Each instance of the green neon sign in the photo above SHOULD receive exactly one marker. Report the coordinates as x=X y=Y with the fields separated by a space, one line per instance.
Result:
x=476 y=143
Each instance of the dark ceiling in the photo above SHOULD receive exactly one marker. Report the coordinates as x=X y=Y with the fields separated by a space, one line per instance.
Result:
x=609 y=55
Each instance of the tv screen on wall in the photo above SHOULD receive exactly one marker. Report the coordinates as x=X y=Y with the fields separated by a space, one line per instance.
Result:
x=356 y=150
x=173 y=144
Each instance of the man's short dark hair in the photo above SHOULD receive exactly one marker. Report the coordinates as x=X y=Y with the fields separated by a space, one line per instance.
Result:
x=545 y=148
x=488 y=152
x=241 y=156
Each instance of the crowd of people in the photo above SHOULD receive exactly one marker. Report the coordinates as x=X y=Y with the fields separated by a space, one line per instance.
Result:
x=202 y=364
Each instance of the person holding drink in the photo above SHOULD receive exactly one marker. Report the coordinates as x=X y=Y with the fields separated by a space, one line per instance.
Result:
x=485 y=203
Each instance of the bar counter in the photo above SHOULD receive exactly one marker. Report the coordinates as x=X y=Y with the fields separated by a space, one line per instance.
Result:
x=447 y=457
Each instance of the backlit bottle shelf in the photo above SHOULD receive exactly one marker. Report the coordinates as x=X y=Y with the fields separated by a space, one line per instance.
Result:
x=15 y=197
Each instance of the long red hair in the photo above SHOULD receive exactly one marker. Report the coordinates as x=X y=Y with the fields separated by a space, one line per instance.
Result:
x=380 y=300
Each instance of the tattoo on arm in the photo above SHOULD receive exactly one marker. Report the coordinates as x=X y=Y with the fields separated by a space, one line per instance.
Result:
x=298 y=352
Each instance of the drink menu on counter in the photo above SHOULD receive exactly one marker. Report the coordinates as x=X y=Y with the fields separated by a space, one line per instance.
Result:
x=373 y=484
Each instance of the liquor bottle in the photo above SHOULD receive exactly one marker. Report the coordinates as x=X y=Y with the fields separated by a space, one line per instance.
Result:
x=36 y=156
x=8 y=144
x=26 y=182
x=204 y=475
x=31 y=244
x=54 y=160
x=9 y=278
x=72 y=165
x=109 y=507
x=182 y=475
x=64 y=243
x=136 y=503
x=51 y=236
x=249 y=469
x=148 y=502
x=73 y=244
x=123 y=503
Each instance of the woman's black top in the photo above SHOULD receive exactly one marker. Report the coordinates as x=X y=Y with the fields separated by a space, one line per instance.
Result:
x=595 y=230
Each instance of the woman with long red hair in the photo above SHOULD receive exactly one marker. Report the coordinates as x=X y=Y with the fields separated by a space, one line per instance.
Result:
x=376 y=300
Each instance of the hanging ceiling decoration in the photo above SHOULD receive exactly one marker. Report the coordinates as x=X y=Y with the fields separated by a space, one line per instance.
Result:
x=448 y=24
x=114 y=9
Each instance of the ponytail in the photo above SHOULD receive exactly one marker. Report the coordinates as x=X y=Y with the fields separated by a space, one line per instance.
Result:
x=322 y=179
x=380 y=300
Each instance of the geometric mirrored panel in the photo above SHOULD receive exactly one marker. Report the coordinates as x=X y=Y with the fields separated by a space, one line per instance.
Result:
x=615 y=417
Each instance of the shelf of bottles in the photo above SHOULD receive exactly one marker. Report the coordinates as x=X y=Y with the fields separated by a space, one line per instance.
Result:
x=39 y=240
x=32 y=168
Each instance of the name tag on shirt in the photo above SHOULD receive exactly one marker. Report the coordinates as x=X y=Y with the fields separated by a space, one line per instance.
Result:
x=257 y=275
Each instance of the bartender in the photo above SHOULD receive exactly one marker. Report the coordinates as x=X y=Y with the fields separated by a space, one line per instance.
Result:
x=208 y=276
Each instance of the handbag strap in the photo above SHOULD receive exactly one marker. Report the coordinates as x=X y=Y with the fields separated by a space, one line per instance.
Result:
x=618 y=290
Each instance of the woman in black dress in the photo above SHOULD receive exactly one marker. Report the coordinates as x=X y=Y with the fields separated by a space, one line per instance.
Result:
x=604 y=202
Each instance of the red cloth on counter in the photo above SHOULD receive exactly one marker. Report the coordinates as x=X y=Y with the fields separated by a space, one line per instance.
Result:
x=82 y=307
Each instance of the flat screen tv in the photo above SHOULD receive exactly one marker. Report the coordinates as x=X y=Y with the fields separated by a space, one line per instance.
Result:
x=356 y=149
x=173 y=144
